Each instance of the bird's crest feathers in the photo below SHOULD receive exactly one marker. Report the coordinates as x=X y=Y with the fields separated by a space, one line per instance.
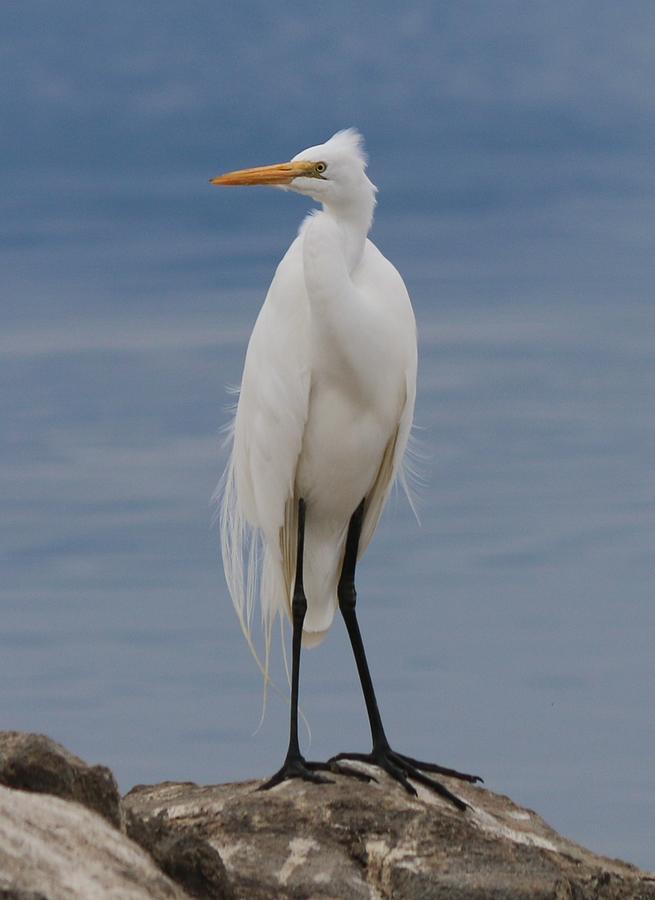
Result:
x=350 y=142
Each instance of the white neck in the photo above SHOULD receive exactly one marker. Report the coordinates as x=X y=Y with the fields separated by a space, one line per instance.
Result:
x=354 y=220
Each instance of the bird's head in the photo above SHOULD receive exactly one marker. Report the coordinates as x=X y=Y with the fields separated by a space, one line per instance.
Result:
x=333 y=173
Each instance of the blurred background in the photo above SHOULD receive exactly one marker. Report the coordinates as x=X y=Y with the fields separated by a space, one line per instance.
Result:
x=511 y=634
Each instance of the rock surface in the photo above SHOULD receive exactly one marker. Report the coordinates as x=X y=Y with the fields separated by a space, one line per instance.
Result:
x=36 y=763
x=52 y=849
x=343 y=840
x=354 y=840
x=185 y=855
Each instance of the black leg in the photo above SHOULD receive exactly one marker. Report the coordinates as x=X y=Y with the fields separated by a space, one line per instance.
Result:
x=295 y=766
x=397 y=765
x=347 y=601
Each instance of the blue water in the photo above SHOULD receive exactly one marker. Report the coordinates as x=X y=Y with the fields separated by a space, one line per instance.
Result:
x=511 y=633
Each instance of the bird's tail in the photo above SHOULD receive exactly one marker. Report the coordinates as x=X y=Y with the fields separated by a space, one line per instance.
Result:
x=242 y=548
x=249 y=574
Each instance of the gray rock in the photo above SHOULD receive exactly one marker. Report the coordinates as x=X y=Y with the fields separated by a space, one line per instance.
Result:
x=345 y=840
x=21 y=895
x=52 y=849
x=353 y=840
x=185 y=856
x=34 y=762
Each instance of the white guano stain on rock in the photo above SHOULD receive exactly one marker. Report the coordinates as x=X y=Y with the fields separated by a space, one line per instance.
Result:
x=522 y=816
x=227 y=851
x=193 y=809
x=489 y=823
x=299 y=851
x=383 y=860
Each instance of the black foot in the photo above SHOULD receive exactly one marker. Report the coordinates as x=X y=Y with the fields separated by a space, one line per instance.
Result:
x=403 y=767
x=297 y=767
x=294 y=767
x=440 y=770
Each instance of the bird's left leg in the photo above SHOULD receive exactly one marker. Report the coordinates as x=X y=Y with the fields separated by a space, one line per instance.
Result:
x=395 y=764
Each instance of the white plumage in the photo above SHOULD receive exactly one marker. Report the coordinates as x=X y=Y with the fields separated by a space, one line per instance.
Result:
x=326 y=400
x=322 y=424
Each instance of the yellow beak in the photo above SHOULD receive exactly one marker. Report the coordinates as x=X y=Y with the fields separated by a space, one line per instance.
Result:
x=282 y=173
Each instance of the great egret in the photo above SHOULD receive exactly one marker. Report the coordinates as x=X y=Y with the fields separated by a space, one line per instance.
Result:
x=322 y=423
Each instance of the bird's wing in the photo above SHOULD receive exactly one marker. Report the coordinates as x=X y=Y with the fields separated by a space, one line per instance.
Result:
x=273 y=401
x=256 y=515
x=391 y=465
x=390 y=290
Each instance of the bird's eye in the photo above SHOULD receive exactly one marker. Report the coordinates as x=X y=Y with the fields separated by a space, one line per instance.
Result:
x=320 y=167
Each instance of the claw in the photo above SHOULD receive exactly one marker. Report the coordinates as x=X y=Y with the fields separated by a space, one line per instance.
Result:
x=294 y=767
x=298 y=767
x=440 y=770
x=401 y=768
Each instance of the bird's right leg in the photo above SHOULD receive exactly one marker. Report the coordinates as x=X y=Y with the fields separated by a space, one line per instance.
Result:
x=295 y=765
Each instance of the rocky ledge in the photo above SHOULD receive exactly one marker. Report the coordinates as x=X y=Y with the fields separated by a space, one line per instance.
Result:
x=344 y=840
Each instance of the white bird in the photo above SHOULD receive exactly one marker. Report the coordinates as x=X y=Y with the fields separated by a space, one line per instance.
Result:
x=322 y=424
